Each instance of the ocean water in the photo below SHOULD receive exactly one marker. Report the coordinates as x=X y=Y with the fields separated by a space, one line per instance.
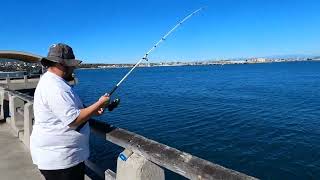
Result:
x=259 y=119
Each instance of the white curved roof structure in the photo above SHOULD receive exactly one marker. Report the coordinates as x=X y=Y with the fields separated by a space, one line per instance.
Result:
x=22 y=56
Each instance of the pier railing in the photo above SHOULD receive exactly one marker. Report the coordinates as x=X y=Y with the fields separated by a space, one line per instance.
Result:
x=142 y=158
x=19 y=83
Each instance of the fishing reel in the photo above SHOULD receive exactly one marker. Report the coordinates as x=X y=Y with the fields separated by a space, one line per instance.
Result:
x=114 y=104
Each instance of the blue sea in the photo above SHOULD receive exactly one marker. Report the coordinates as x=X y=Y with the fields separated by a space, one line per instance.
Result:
x=259 y=119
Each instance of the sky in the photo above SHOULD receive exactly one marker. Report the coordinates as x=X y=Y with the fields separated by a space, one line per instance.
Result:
x=122 y=31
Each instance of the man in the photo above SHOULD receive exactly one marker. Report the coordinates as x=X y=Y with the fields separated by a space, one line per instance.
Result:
x=58 y=145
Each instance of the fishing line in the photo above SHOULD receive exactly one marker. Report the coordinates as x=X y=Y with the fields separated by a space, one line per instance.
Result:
x=115 y=103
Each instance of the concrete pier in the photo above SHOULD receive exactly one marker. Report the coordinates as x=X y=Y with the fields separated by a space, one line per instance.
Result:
x=15 y=159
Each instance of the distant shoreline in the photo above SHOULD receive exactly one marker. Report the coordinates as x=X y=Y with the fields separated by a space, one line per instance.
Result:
x=113 y=66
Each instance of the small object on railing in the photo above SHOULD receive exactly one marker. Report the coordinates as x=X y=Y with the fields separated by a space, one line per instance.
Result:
x=125 y=155
x=113 y=104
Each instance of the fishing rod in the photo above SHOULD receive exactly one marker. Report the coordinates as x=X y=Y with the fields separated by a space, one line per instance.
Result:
x=115 y=103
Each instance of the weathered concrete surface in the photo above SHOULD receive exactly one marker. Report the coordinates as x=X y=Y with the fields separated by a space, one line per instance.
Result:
x=137 y=167
x=18 y=84
x=24 y=84
x=15 y=159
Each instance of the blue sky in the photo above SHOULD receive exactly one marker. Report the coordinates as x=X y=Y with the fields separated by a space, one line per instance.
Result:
x=121 y=31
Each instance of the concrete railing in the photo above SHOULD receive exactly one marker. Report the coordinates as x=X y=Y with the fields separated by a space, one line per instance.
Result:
x=142 y=158
x=17 y=111
x=24 y=82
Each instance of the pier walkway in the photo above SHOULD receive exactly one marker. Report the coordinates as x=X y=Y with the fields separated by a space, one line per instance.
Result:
x=15 y=159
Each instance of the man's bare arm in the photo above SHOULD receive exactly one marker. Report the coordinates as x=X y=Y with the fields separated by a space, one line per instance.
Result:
x=88 y=112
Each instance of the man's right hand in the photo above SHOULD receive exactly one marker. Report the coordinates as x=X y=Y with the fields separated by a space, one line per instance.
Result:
x=104 y=100
x=95 y=109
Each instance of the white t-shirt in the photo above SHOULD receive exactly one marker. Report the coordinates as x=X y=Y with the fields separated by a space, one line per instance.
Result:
x=53 y=144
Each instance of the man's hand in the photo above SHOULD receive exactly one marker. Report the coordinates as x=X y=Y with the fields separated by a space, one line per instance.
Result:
x=103 y=101
x=95 y=109
x=100 y=111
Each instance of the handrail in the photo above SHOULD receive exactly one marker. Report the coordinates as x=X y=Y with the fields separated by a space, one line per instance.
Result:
x=20 y=95
x=177 y=161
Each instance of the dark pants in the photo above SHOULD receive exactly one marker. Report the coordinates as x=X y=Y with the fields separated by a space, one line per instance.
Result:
x=72 y=173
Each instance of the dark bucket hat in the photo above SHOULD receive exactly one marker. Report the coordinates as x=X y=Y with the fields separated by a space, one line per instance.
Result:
x=63 y=54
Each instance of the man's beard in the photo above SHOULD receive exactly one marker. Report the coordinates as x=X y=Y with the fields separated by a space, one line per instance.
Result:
x=68 y=76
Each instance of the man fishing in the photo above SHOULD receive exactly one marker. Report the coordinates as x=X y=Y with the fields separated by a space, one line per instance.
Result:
x=58 y=146
x=60 y=138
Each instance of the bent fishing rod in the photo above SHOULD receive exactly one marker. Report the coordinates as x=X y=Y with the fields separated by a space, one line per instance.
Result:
x=115 y=103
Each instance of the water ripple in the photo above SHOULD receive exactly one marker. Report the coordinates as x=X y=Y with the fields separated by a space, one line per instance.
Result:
x=260 y=119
